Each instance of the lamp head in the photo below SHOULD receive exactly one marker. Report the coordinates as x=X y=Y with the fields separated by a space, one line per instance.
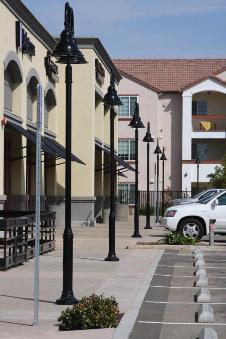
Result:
x=111 y=98
x=66 y=50
x=163 y=157
x=148 y=137
x=136 y=119
x=157 y=149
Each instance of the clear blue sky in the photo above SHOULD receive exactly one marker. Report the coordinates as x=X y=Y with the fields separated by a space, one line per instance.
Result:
x=144 y=28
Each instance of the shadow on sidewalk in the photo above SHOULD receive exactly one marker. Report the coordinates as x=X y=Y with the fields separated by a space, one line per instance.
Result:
x=30 y=299
x=92 y=259
x=14 y=323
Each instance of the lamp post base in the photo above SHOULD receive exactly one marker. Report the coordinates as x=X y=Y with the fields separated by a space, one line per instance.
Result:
x=136 y=235
x=111 y=257
x=67 y=298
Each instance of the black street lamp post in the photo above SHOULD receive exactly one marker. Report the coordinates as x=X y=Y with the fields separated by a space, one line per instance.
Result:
x=197 y=161
x=148 y=138
x=67 y=52
x=136 y=123
x=163 y=158
x=112 y=99
x=157 y=152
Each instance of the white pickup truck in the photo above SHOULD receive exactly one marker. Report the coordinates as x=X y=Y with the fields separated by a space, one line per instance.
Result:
x=192 y=220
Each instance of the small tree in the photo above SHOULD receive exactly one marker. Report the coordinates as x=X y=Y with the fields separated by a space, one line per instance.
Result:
x=218 y=178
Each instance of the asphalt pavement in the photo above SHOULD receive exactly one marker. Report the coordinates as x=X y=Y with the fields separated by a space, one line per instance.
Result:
x=170 y=308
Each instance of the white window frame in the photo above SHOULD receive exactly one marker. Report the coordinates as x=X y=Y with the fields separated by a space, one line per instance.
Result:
x=198 y=102
x=129 y=149
x=127 y=198
x=200 y=151
x=130 y=113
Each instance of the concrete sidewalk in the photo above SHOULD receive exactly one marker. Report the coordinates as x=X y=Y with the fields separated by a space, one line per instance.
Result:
x=127 y=280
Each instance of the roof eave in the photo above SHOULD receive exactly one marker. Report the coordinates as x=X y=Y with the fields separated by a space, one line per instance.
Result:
x=140 y=82
x=95 y=43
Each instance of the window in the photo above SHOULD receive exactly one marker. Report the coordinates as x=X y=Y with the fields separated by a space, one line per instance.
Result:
x=12 y=88
x=207 y=194
x=126 y=149
x=126 y=193
x=128 y=106
x=199 y=107
x=222 y=199
x=29 y=105
x=50 y=105
x=7 y=95
x=200 y=151
x=32 y=99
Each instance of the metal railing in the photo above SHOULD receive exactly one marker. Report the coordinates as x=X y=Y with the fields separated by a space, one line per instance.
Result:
x=17 y=236
x=127 y=197
x=164 y=196
x=209 y=123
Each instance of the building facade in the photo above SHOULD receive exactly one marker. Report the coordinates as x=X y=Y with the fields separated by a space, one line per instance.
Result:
x=183 y=99
x=27 y=68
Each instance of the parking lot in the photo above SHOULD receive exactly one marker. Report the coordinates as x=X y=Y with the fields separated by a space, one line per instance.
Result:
x=170 y=307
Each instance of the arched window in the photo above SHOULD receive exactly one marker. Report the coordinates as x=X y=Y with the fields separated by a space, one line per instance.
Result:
x=32 y=99
x=12 y=89
x=50 y=110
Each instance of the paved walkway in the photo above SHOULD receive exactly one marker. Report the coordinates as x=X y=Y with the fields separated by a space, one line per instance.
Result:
x=127 y=280
x=148 y=312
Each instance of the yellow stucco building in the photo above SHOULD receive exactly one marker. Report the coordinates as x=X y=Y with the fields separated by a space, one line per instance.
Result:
x=25 y=62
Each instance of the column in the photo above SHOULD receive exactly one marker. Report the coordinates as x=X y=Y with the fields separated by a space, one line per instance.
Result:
x=186 y=140
x=2 y=196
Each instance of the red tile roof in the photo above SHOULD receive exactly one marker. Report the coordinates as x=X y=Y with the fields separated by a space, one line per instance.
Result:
x=169 y=75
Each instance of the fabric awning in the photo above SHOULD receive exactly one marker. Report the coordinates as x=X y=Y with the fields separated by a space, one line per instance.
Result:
x=116 y=157
x=29 y=135
x=50 y=146
x=60 y=149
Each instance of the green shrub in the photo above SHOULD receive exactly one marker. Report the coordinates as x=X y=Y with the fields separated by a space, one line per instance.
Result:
x=176 y=238
x=91 y=312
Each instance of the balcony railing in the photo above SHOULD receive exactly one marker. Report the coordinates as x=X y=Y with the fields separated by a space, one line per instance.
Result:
x=209 y=123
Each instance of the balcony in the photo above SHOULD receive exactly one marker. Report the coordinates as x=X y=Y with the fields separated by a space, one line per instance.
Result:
x=206 y=167
x=209 y=123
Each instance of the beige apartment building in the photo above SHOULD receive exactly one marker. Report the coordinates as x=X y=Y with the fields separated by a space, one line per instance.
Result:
x=25 y=62
x=185 y=102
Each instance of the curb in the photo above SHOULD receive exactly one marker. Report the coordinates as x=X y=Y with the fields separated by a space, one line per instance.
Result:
x=149 y=245
x=126 y=324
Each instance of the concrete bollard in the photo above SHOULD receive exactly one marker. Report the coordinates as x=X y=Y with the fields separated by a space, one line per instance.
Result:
x=198 y=255
x=205 y=314
x=203 y=295
x=212 y=227
x=200 y=263
x=200 y=271
x=201 y=280
x=208 y=333
x=197 y=250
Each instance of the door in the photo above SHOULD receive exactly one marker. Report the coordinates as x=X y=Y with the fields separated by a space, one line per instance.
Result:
x=7 y=171
x=219 y=213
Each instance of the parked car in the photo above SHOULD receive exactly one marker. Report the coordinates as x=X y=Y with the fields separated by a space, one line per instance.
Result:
x=204 y=194
x=192 y=220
